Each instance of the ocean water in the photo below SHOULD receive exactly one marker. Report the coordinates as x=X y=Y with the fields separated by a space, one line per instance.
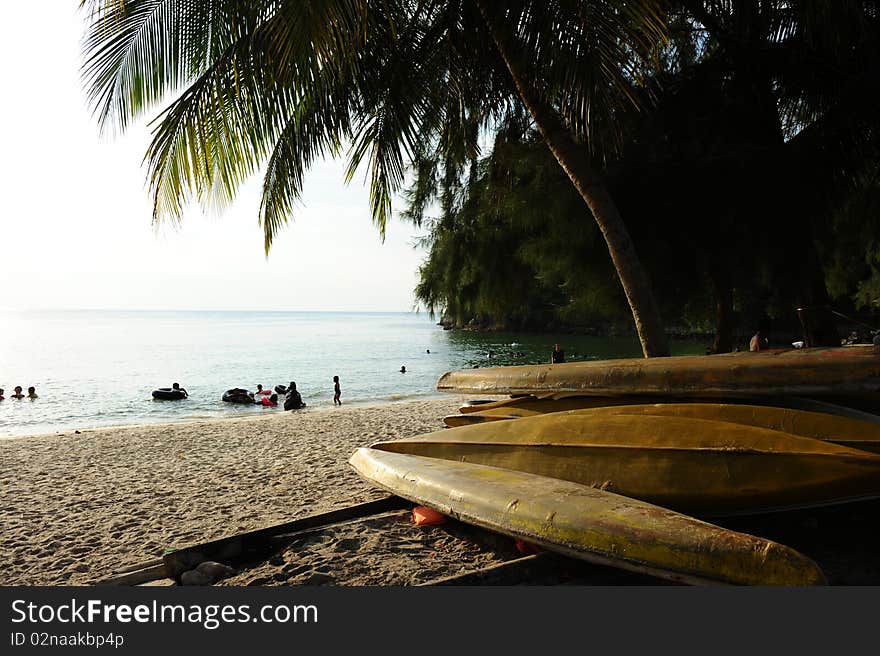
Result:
x=97 y=368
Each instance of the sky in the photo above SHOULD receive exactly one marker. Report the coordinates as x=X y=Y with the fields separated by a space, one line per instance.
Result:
x=76 y=218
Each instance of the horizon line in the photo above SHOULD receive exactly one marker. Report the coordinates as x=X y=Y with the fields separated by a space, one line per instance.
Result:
x=97 y=309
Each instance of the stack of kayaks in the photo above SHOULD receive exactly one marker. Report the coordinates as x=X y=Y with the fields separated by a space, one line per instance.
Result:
x=606 y=460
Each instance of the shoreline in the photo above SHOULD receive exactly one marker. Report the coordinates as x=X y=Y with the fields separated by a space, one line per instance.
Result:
x=82 y=507
x=267 y=414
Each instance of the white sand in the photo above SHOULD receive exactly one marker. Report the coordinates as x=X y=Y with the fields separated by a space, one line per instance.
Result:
x=78 y=508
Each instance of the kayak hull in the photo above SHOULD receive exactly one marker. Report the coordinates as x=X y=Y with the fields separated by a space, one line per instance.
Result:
x=687 y=464
x=851 y=370
x=587 y=523
x=856 y=433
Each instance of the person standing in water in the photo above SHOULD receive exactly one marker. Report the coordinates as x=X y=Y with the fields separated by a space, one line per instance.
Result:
x=557 y=355
x=337 y=392
x=32 y=393
x=17 y=393
x=293 y=399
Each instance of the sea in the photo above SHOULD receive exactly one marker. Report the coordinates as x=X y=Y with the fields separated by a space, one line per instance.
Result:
x=94 y=368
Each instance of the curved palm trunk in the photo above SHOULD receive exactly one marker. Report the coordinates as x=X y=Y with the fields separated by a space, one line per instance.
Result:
x=574 y=162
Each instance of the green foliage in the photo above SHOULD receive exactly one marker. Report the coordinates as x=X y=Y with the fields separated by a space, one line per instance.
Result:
x=514 y=246
x=740 y=139
x=750 y=177
x=279 y=83
x=854 y=257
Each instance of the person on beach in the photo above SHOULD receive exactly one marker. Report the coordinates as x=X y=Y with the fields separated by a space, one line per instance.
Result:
x=759 y=341
x=293 y=399
x=402 y=369
x=177 y=388
x=32 y=393
x=337 y=392
x=557 y=355
x=17 y=393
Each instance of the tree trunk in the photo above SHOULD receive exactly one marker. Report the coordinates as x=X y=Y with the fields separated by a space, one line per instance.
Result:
x=723 y=293
x=576 y=165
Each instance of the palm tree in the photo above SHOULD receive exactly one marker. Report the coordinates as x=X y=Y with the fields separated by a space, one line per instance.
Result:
x=279 y=83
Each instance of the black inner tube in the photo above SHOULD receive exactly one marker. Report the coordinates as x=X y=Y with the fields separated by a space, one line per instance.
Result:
x=237 y=395
x=168 y=394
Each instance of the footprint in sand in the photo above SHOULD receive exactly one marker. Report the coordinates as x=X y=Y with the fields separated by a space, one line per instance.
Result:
x=260 y=580
x=348 y=544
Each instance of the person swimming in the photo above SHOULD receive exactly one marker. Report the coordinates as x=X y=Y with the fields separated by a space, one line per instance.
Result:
x=17 y=394
x=267 y=401
x=1 y=394
x=403 y=369
x=32 y=393
x=177 y=388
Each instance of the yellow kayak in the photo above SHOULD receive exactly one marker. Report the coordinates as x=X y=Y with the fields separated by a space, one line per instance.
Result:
x=544 y=405
x=845 y=431
x=797 y=372
x=587 y=523
x=528 y=405
x=687 y=464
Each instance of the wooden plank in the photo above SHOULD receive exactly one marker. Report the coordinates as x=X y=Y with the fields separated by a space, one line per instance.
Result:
x=261 y=540
x=137 y=577
x=545 y=569
x=133 y=568
x=504 y=573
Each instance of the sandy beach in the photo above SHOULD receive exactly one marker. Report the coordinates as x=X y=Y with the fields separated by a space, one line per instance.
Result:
x=79 y=507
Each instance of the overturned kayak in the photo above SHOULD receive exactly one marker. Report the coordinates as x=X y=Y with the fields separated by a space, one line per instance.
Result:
x=839 y=429
x=587 y=523
x=844 y=431
x=838 y=372
x=528 y=405
x=687 y=464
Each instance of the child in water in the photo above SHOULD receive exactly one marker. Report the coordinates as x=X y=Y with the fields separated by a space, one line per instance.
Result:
x=336 y=391
x=18 y=394
x=32 y=393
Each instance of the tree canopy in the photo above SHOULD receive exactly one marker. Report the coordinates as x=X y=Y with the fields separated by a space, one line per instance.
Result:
x=748 y=184
x=725 y=149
